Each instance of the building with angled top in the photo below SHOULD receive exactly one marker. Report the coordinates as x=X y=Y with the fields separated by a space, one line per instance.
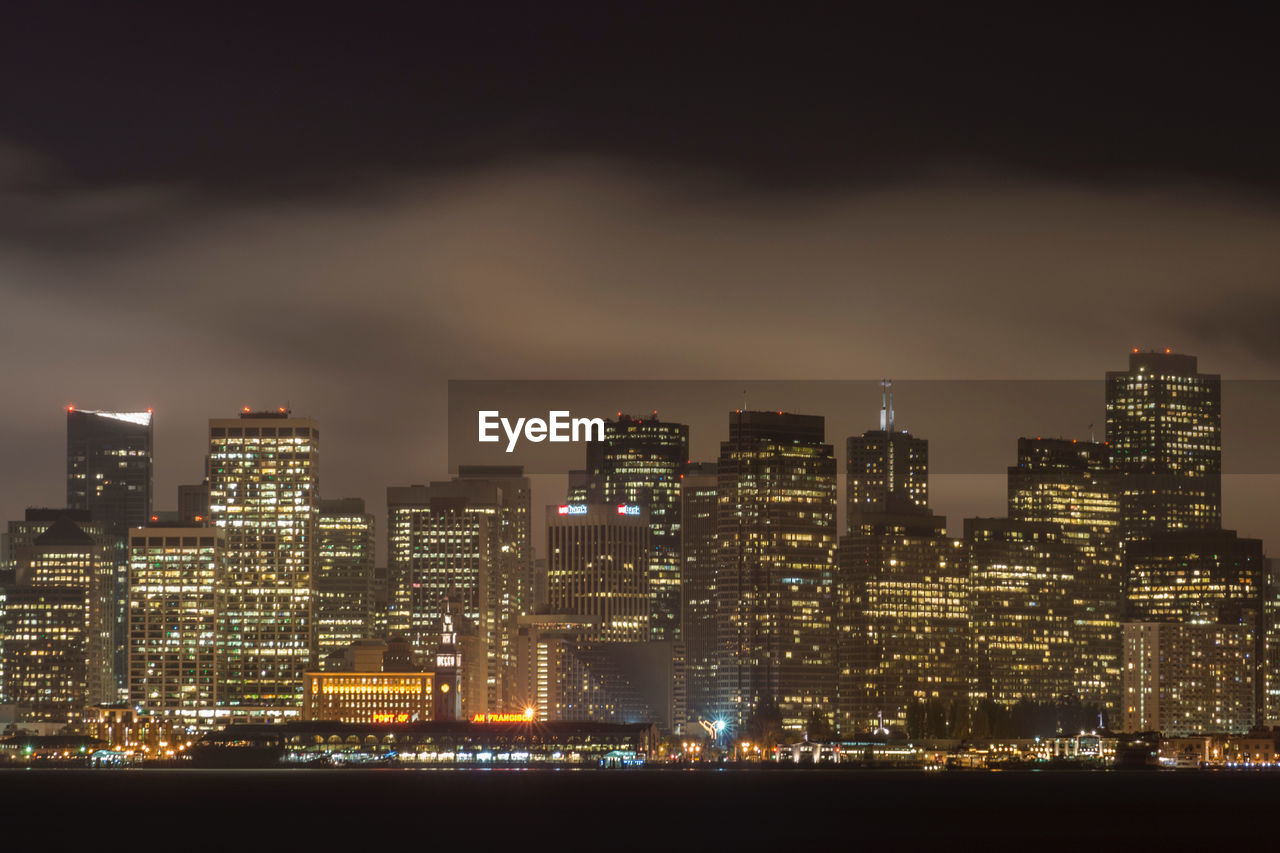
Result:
x=109 y=473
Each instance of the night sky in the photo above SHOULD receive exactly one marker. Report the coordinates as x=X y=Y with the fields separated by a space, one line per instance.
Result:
x=342 y=210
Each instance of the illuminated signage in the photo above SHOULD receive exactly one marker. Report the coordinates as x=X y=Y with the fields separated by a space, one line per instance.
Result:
x=390 y=718
x=522 y=717
x=628 y=509
x=572 y=509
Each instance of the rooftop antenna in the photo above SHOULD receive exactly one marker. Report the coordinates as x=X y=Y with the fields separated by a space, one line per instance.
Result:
x=744 y=399
x=886 y=405
x=1092 y=438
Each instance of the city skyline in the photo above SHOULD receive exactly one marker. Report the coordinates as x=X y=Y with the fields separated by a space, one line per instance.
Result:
x=1247 y=497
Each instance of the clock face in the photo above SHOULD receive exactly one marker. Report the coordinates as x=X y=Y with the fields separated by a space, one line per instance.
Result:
x=444 y=688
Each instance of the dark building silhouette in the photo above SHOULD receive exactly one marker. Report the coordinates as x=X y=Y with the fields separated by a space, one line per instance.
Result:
x=109 y=473
x=698 y=586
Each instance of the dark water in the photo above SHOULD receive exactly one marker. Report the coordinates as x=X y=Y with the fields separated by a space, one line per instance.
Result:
x=370 y=810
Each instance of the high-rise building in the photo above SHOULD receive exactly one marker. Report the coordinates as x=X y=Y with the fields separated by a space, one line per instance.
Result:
x=1068 y=483
x=343 y=580
x=173 y=620
x=263 y=491
x=1195 y=576
x=109 y=473
x=451 y=540
x=109 y=465
x=57 y=633
x=640 y=461
x=517 y=495
x=901 y=590
x=596 y=567
x=1184 y=678
x=888 y=468
x=1022 y=580
x=698 y=585
x=1164 y=427
x=902 y=639
x=776 y=530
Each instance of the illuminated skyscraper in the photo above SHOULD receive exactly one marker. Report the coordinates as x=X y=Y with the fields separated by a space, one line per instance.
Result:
x=343 y=582
x=1184 y=678
x=901 y=590
x=518 y=523
x=263 y=491
x=1164 y=426
x=902 y=638
x=698 y=584
x=453 y=540
x=1022 y=639
x=888 y=468
x=1067 y=483
x=1270 y=710
x=776 y=529
x=1195 y=576
x=172 y=619
x=1200 y=577
x=596 y=567
x=109 y=473
x=58 y=624
x=640 y=462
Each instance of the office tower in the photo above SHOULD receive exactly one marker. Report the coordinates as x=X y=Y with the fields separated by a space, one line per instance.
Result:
x=193 y=503
x=451 y=540
x=343 y=580
x=888 y=468
x=1164 y=427
x=173 y=620
x=57 y=629
x=596 y=567
x=23 y=533
x=1195 y=576
x=698 y=585
x=902 y=643
x=901 y=591
x=517 y=495
x=109 y=463
x=1270 y=709
x=640 y=461
x=263 y=491
x=1022 y=637
x=1068 y=483
x=109 y=473
x=776 y=527
x=1183 y=678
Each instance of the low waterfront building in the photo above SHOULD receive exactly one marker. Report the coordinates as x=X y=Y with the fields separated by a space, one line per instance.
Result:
x=496 y=739
x=368 y=697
